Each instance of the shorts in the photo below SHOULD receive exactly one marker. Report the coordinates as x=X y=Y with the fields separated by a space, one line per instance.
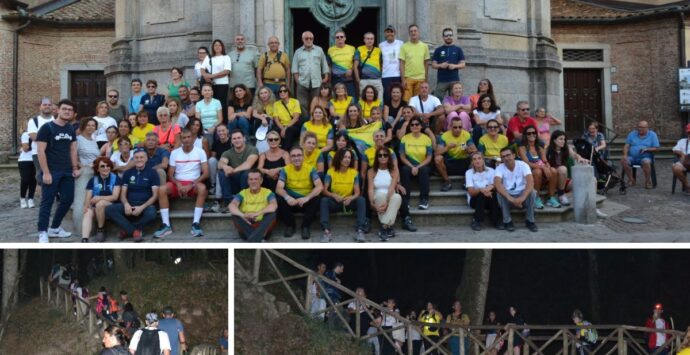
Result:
x=174 y=193
x=457 y=166
x=638 y=160
x=683 y=166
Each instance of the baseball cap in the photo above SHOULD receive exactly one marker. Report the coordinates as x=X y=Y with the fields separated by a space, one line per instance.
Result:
x=151 y=318
x=389 y=28
x=168 y=310
x=687 y=128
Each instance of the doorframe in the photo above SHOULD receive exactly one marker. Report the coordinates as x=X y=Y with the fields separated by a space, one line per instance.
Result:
x=604 y=66
x=65 y=70
x=309 y=4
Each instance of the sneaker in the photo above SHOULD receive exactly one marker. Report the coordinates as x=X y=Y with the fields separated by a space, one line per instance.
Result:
x=22 y=203
x=531 y=226
x=215 y=208
x=447 y=186
x=538 y=203
x=601 y=215
x=326 y=236
x=423 y=204
x=58 y=233
x=509 y=226
x=163 y=231
x=408 y=225
x=306 y=233
x=196 y=230
x=564 y=200
x=553 y=202
x=137 y=236
x=99 y=237
x=360 y=236
x=390 y=232
x=367 y=226
x=122 y=235
x=500 y=226
x=289 y=232
x=84 y=240
x=476 y=226
x=31 y=203
x=43 y=237
x=383 y=235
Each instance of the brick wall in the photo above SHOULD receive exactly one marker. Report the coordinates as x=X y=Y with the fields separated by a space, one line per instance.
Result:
x=646 y=56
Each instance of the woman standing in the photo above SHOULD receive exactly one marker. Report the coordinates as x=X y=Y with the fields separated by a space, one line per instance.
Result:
x=492 y=334
x=27 y=173
x=216 y=69
x=104 y=122
x=431 y=330
x=515 y=318
x=201 y=54
x=381 y=181
x=416 y=154
x=240 y=110
x=177 y=116
x=272 y=160
x=533 y=153
x=175 y=82
x=457 y=317
x=101 y=191
x=341 y=191
x=168 y=133
x=151 y=101
x=286 y=112
x=209 y=110
x=87 y=151
x=319 y=125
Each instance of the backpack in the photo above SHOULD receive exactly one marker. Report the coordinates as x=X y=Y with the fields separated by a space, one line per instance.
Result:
x=267 y=64
x=149 y=343
x=591 y=335
x=103 y=305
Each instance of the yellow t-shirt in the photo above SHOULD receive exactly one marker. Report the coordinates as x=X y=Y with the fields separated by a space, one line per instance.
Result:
x=427 y=318
x=311 y=160
x=250 y=202
x=461 y=143
x=341 y=59
x=685 y=351
x=340 y=107
x=366 y=107
x=414 y=56
x=331 y=156
x=323 y=132
x=273 y=68
x=298 y=183
x=372 y=68
x=490 y=148
x=416 y=149
x=342 y=184
x=140 y=133
x=132 y=139
x=371 y=151
x=283 y=115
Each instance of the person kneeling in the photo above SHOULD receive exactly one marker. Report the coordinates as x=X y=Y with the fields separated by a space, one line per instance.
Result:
x=515 y=187
x=253 y=209
x=298 y=188
x=186 y=174
x=341 y=192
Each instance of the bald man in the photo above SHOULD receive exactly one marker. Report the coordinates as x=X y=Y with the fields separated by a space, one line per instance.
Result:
x=273 y=69
x=309 y=69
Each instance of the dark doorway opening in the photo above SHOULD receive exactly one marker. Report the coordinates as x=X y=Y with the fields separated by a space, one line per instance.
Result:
x=366 y=21
x=582 y=99
x=303 y=20
x=87 y=88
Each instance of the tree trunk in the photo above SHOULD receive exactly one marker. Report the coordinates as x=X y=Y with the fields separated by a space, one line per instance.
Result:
x=475 y=283
x=121 y=264
x=594 y=285
x=10 y=275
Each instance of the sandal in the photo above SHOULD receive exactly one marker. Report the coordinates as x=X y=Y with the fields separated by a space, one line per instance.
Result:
x=648 y=185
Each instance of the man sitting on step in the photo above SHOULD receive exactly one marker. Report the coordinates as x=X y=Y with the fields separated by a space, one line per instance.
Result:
x=515 y=187
x=452 y=152
x=254 y=209
x=186 y=174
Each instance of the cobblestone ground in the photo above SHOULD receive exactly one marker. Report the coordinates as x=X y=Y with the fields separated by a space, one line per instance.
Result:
x=667 y=219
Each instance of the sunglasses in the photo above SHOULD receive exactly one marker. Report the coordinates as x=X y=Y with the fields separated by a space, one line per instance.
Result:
x=383 y=155
x=448 y=35
x=112 y=96
x=414 y=124
x=457 y=127
x=274 y=139
x=531 y=133
x=282 y=90
x=492 y=127
x=524 y=109
x=104 y=166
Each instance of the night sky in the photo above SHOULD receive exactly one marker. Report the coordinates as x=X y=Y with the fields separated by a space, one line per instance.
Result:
x=545 y=285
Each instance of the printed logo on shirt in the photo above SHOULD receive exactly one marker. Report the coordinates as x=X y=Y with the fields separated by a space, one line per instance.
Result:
x=62 y=136
x=443 y=54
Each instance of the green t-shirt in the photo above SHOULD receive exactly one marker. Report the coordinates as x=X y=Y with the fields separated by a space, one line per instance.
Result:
x=236 y=159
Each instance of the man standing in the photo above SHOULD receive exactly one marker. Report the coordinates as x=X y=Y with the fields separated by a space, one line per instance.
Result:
x=298 y=189
x=135 y=96
x=186 y=175
x=452 y=152
x=639 y=149
x=341 y=57
x=414 y=61
x=57 y=156
x=244 y=63
x=368 y=65
x=234 y=165
x=390 y=51
x=150 y=340
x=175 y=330
x=515 y=186
x=658 y=339
x=519 y=122
x=253 y=209
x=138 y=198
x=115 y=109
x=274 y=67
x=309 y=70
x=447 y=60
x=44 y=116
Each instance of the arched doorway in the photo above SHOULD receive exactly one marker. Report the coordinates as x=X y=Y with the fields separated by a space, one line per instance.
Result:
x=324 y=17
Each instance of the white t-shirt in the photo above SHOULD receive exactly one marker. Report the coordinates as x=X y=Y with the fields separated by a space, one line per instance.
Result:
x=389 y=53
x=431 y=103
x=103 y=124
x=32 y=128
x=487 y=116
x=683 y=146
x=187 y=165
x=357 y=306
x=25 y=156
x=478 y=180
x=87 y=150
x=163 y=340
x=660 y=323
x=117 y=160
x=514 y=181
x=216 y=65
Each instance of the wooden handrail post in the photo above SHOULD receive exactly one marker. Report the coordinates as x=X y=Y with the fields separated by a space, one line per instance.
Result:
x=511 y=338
x=48 y=290
x=566 y=347
x=40 y=286
x=461 y=339
x=257 y=265
x=358 y=319
x=308 y=295
x=91 y=321
x=410 y=349
x=67 y=303
x=621 y=343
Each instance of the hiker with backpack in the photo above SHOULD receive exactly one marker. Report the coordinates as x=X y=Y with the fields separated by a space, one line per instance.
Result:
x=106 y=306
x=114 y=341
x=273 y=69
x=586 y=338
x=150 y=340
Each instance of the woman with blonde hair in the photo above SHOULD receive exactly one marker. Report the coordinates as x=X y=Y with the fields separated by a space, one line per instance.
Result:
x=262 y=105
x=319 y=125
x=272 y=160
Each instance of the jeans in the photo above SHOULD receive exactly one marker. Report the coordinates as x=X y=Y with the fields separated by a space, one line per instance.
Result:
x=387 y=82
x=528 y=205
x=116 y=213
x=406 y=181
x=454 y=342
x=63 y=184
x=256 y=232
x=231 y=185
x=328 y=204
x=239 y=122
x=27 y=186
x=481 y=203
x=286 y=212
x=273 y=86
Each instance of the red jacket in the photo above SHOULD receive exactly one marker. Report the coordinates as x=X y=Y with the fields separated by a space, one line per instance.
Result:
x=651 y=343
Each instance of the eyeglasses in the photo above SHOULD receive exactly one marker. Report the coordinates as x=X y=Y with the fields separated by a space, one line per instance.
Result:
x=150 y=86
x=104 y=166
x=274 y=139
x=112 y=96
x=531 y=133
x=383 y=155
x=524 y=109
x=492 y=127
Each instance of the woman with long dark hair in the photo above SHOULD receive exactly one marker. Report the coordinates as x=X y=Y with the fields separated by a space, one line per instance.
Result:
x=114 y=341
x=216 y=68
x=532 y=152
x=561 y=157
x=381 y=181
x=240 y=110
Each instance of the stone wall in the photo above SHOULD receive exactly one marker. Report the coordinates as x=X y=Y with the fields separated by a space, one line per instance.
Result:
x=646 y=57
x=6 y=65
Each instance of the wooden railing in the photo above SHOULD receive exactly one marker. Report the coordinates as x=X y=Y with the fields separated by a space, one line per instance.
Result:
x=542 y=339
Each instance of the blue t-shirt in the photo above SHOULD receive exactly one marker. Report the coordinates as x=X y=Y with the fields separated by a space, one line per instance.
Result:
x=139 y=184
x=152 y=105
x=157 y=157
x=223 y=342
x=134 y=103
x=59 y=140
x=103 y=187
x=172 y=327
x=637 y=143
x=450 y=54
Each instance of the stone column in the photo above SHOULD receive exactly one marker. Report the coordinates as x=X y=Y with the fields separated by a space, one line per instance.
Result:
x=422 y=17
x=584 y=194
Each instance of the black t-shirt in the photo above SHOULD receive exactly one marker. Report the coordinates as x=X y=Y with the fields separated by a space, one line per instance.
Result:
x=59 y=140
x=393 y=111
x=219 y=147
